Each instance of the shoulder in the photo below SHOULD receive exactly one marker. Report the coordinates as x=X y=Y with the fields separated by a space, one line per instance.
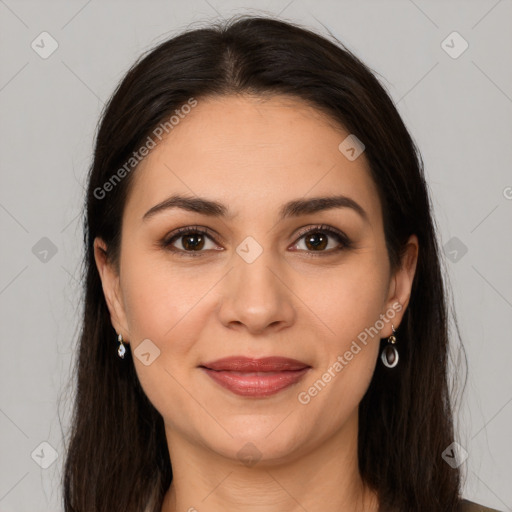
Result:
x=470 y=506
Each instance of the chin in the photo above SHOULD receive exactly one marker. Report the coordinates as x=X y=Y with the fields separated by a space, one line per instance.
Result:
x=260 y=444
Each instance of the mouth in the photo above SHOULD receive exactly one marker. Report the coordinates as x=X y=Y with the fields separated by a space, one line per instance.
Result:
x=255 y=377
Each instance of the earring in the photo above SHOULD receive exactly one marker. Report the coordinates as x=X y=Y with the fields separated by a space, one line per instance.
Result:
x=122 y=349
x=389 y=354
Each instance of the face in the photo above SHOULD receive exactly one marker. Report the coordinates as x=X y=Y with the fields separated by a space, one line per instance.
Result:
x=307 y=285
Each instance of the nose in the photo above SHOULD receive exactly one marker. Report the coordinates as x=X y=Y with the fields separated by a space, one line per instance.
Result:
x=257 y=297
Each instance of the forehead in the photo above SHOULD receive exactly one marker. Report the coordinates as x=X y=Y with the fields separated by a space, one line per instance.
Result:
x=249 y=152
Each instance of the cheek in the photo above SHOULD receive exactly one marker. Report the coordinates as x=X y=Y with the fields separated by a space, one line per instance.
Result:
x=162 y=304
x=348 y=304
x=161 y=296
x=347 y=300
x=332 y=397
x=158 y=296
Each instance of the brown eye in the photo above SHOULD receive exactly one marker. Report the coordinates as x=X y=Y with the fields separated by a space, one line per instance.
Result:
x=317 y=239
x=189 y=242
x=193 y=241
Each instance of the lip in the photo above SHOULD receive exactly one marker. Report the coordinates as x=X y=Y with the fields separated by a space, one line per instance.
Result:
x=255 y=377
x=248 y=364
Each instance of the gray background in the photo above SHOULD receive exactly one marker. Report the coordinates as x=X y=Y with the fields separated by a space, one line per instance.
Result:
x=459 y=110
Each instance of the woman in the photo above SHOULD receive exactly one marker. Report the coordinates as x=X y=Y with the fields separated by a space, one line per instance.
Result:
x=265 y=326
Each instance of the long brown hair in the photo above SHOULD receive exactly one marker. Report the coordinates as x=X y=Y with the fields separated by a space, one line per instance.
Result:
x=117 y=456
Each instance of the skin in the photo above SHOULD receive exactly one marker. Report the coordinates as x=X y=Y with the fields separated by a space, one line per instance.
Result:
x=253 y=155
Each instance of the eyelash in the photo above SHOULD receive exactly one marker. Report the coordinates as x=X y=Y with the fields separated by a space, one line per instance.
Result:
x=167 y=242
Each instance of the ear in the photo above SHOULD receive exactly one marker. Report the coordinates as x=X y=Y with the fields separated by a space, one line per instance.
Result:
x=401 y=284
x=110 y=281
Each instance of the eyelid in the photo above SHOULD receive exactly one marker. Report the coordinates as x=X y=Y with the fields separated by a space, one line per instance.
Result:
x=169 y=239
x=346 y=242
x=322 y=227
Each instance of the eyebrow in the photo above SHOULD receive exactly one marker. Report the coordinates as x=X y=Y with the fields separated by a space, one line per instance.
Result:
x=293 y=208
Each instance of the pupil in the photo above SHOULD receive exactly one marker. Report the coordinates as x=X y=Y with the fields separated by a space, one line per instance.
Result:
x=313 y=240
x=187 y=244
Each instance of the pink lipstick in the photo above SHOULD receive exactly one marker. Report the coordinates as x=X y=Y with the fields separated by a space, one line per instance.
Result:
x=255 y=377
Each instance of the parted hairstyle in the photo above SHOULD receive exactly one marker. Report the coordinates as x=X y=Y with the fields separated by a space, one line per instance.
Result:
x=117 y=457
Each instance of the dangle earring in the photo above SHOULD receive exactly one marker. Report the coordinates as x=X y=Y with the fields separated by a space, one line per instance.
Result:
x=389 y=354
x=122 y=349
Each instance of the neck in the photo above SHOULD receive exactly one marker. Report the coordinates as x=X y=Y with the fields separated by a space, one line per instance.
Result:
x=326 y=478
